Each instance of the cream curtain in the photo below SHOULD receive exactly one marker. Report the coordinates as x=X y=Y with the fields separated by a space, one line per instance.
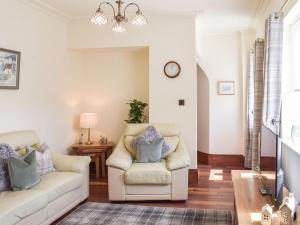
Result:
x=254 y=105
x=273 y=72
x=250 y=108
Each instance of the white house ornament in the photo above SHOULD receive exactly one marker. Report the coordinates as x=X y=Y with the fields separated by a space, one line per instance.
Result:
x=287 y=210
x=266 y=215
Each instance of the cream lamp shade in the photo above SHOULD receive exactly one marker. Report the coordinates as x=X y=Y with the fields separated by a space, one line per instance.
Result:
x=88 y=120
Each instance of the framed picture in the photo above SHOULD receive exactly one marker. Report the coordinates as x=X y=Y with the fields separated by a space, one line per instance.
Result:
x=9 y=69
x=226 y=88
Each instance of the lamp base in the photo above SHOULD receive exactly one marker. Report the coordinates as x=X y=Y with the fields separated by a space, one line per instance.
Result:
x=89 y=142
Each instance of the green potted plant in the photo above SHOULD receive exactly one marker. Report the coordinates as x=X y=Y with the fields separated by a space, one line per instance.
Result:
x=136 y=112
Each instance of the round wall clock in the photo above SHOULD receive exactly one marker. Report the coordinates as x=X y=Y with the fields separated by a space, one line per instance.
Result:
x=172 y=69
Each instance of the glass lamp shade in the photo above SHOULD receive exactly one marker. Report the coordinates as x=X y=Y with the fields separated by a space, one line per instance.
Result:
x=139 y=19
x=99 y=18
x=88 y=120
x=119 y=27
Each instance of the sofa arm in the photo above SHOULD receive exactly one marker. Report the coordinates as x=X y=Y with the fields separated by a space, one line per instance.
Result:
x=69 y=163
x=120 y=158
x=178 y=159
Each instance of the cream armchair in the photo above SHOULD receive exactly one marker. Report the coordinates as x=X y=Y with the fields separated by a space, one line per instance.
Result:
x=167 y=180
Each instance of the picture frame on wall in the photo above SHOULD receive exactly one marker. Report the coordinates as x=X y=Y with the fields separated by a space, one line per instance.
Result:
x=9 y=69
x=226 y=87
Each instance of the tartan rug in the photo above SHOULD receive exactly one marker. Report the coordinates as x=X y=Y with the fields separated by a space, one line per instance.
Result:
x=121 y=214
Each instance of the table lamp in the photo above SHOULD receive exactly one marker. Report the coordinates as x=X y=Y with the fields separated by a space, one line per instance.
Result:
x=88 y=121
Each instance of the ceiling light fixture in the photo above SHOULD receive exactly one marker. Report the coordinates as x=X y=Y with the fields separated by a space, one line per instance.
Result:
x=120 y=19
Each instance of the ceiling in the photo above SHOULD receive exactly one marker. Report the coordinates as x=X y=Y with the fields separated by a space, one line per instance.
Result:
x=221 y=14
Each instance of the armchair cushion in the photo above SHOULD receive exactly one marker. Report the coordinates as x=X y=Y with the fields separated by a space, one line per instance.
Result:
x=172 y=141
x=165 y=129
x=148 y=173
x=120 y=158
x=68 y=163
x=178 y=159
x=128 y=146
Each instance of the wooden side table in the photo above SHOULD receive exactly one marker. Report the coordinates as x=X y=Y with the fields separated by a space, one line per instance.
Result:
x=249 y=201
x=98 y=153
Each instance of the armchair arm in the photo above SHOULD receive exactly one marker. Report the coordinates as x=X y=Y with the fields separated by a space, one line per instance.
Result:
x=120 y=158
x=180 y=158
x=68 y=163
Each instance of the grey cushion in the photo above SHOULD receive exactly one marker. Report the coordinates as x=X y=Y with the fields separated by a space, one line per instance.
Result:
x=149 y=134
x=23 y=172
x=149 y=151
x=5 y=153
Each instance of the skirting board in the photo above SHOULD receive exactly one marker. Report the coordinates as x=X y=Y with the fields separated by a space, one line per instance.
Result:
x=267 y=163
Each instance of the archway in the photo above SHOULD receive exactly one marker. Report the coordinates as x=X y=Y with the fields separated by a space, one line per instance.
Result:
x=202 y=111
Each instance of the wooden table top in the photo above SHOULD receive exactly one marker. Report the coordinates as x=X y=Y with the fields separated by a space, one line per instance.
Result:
x=95 y=145
x=248 y=199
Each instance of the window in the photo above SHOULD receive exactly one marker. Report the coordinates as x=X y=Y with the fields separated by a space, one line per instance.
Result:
x=295 y=51
x=291 y=72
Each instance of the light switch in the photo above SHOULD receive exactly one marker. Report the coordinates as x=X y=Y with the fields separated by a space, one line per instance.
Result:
x=181 y=102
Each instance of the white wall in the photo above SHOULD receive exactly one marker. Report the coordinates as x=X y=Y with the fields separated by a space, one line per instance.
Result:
x=51 y=88
x=169 y=37
x=222 y=61
x=48 y=98
x=112 y=77
x=203 y=111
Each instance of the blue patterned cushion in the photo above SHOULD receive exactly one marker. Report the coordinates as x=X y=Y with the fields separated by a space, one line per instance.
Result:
x=5 y=153
x=149 y=135
x=149 y=152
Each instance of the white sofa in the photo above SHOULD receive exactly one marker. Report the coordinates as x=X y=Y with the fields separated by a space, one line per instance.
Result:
x=167 y=180
x=56 y=194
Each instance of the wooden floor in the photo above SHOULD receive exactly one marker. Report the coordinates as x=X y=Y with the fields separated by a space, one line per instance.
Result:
x=214 y=189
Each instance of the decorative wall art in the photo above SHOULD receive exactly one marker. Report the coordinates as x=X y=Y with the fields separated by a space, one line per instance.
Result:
x=9 y=69
x=226 y=88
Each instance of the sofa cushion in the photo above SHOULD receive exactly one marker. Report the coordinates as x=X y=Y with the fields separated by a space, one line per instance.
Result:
x=22 y=172
x=15 y=206
x=19 y=138
x=43 y=159
x=57 y=184
x=148 y=173
x=6 y=152
x=70 y=163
